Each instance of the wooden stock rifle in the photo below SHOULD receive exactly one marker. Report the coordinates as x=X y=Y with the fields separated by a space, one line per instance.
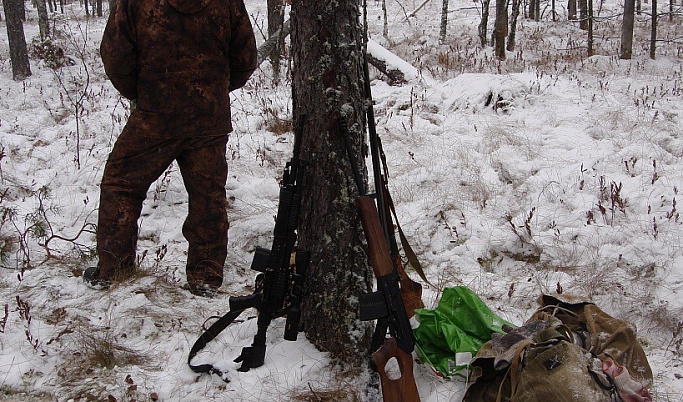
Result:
x=388 y=304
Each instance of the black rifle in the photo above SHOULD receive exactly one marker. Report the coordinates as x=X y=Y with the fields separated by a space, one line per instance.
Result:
x=279 y=285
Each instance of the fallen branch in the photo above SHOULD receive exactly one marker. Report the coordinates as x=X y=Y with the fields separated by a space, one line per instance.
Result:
x=389 y=64
x=271 y=43
x=424 y=3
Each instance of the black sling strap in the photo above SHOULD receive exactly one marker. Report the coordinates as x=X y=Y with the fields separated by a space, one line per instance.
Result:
x=208 y=335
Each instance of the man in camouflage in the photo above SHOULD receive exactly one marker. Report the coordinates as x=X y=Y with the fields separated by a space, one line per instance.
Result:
x=178 y=59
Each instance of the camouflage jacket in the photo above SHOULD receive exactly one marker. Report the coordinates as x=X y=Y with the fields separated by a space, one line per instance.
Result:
x=179 y=59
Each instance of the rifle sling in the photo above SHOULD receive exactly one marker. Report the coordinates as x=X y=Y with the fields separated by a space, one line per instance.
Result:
x=407 y=249
x=208 y=335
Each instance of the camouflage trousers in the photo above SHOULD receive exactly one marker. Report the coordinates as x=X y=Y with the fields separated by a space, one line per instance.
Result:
x=135 y=162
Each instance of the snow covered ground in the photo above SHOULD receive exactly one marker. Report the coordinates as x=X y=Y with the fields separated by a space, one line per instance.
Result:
x=547 y=171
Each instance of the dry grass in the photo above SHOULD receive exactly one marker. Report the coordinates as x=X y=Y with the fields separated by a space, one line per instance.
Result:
x=95 y=356
x=102 y=350
x=333 y=395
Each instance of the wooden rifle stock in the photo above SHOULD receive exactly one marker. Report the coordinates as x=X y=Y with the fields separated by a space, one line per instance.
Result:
x=401 y=345
x=380 y=258
x=402 y=388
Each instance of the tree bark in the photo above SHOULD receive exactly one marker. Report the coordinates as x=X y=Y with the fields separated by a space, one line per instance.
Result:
x=626 y=47
x=275 y=21
x=21 y=68
x=532 y=9
x=444 y=21
x=500 y=28
x=535 y=10
x=591 y=50
x=653 y=33
x=483 y=25
x=583 y=14
x=553 y=11
x=43 y=22
x=513 y=25
x=327 y=84
x=571 y=10
x=385 y=24
x=671 y=10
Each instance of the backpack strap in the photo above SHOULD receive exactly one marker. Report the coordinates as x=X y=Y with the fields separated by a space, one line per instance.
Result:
x=208 y=335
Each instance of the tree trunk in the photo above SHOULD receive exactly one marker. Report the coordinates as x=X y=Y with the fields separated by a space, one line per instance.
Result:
x=535 y=10
x=275 y=21
x=43 y=22
x=583 y=14
x=327 y=84
x=571 y=10
x=385 y=25
x=553 y=11
x=99 y=8
x=483 y=25
x=671 y=10
x=591 y=50
x=444 y=21
x=532 y=10
x=538 y=10
x=653 y=34
x=17 y=41
x=626 y=48
x=513 y=25
x=500 y=28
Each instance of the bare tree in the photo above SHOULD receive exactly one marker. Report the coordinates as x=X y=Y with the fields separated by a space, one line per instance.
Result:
x=626 y=47
x=671 y=9
x=43 y=23
x=444 y=21
x=500 y=29
x=275 y=21
x=17 y=41
x=553 y=11
x=513 y=25
x=583 y=14
x=385 y=24
x=653 y=33
x=571 y=10
x=483 y=25
x=591 y=50
x=535 y=10
x=327 y=86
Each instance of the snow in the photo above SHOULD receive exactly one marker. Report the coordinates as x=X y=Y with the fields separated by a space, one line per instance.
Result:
x=548 y=170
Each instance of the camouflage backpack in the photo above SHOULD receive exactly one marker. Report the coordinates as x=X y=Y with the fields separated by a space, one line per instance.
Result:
x=567 y=351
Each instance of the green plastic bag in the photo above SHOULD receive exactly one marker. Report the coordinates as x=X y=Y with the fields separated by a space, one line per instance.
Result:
x=451 y=334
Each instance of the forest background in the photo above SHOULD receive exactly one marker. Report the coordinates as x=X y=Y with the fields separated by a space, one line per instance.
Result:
x=551 y=166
